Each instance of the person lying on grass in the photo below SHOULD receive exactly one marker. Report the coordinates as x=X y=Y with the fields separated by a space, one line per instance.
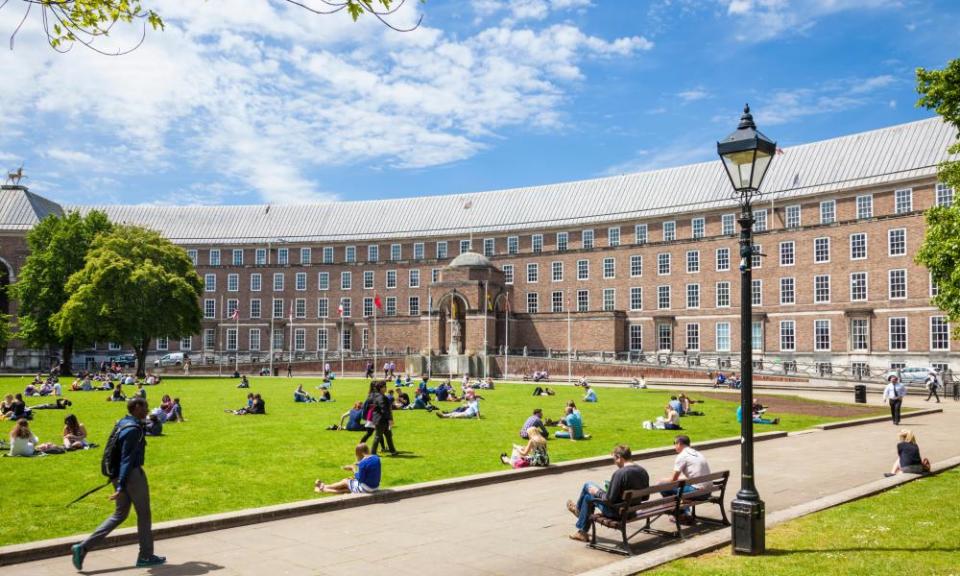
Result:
x=470 y=408
x=538 y=391
x=533 y=454
x=366 y=477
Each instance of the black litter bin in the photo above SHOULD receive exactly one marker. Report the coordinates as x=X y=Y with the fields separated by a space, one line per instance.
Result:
x=860 y=393
x=956 y=390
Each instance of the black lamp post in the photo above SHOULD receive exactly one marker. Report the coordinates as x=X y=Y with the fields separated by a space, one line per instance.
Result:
x=746 y=155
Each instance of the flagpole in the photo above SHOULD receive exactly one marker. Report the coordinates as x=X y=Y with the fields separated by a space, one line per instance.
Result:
x=271 y=342
x=429 y=331
x=323 y=322
x=220 y=336
x=486 y=306
x=236 y=365
x=506 y=345
x=290 y=358
x=569 y=342
x=374 y=330
x=342 y=360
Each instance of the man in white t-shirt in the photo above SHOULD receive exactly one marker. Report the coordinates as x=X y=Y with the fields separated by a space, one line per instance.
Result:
x=688 y=464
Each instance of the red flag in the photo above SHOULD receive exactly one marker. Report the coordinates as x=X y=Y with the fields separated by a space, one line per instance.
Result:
x=377 y=302
x=340 y=308
x=236 y=314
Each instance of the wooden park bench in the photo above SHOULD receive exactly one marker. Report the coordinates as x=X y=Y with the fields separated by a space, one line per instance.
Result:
x=649 y=504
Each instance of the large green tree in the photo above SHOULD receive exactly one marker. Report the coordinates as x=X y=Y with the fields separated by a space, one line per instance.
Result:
x=940 y=91
x=135 y=286
x=6 y=334
x=66 y=22
x=58 y=248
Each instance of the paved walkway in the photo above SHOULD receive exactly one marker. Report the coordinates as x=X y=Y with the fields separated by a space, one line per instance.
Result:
x=512 y=527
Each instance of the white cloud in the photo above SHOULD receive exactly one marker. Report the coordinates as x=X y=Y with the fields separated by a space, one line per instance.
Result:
x=263 y=93
x=785 y=106
x=693 y=94
x=679 y=153
x=763 y=20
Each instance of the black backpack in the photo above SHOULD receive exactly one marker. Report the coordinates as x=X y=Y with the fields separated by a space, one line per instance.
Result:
x=110 y=461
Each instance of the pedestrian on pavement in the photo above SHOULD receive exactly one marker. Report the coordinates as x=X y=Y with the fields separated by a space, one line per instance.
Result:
x=932 y=385
x=894 y=393
x=130 y=487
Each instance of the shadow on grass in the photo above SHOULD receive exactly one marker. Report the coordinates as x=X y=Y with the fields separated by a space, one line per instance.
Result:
x=777 y=552
x=185 y=569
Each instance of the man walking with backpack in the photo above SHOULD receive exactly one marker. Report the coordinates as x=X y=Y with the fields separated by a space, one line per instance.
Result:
x=123 y=458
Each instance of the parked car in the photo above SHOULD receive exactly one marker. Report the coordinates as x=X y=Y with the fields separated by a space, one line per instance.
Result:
x=124 y=360
x=171 y=359
x=914 y=375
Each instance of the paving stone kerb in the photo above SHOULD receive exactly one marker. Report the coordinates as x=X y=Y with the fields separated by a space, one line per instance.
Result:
x=26 y=552
x=874 y=419
x=720 y=538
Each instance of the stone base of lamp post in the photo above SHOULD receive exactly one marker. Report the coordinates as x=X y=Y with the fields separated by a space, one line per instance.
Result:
x=748 y=527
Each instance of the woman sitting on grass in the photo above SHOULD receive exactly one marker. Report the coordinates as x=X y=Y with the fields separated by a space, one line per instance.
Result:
x=669 y=421
x=117 y=394
x=533 y=454
x=23 y=442
x=908 y=456
x=74 y=433
x=471 y=408
x=353 y=418
x=757 y=415
x=366 y=477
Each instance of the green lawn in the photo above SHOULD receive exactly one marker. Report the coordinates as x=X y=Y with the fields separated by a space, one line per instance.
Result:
x=217 y=462
x=913 y=529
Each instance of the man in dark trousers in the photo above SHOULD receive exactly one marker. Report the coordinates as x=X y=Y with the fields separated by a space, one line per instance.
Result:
x=894 y=393
x=130 y=488
x=627 y=476
x=382 y=419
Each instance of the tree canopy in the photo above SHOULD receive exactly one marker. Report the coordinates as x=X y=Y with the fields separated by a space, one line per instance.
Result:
x=940 y=252
x=66 y=22
x=58 y=248
x=135 y=286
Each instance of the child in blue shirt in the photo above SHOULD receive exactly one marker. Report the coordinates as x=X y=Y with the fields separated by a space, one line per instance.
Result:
x=366 y=477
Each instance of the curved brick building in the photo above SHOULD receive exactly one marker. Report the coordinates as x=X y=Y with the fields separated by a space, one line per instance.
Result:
x=639 y=265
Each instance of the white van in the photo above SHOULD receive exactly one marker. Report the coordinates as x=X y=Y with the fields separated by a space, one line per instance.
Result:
x=171 y=359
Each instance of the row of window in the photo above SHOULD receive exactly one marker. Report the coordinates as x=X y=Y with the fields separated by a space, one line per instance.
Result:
x=323 y=280
x=298 y=308
x=903 y=204
x=859 y=337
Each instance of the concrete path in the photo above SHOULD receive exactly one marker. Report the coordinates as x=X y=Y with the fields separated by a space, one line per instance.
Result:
x=509 y=528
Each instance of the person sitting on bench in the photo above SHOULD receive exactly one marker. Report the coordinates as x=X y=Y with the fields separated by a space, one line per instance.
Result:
x=366 y=477
x=627 y=476
x=688 y=464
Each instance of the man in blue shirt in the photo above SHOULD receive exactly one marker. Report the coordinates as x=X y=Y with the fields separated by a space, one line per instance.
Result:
x=572 y=425
x=366 y=477
x=130 y=488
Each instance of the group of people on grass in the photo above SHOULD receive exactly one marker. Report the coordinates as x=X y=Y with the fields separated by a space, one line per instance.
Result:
x=677 y=406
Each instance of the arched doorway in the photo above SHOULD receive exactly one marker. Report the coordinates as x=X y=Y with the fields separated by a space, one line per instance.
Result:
x=452 y=316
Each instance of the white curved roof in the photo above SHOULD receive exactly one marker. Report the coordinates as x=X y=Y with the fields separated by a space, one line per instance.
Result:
x=879 y=156
x=470 y=260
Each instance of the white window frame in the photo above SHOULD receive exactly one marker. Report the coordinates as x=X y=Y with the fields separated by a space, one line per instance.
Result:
x=828 y=211
x=669 y=231
x=698 y=227
x=864 y=206
x=853 y=253
x=793 y=216
x=903 y=201
x=854 y=286
x=817 y=245
x=906 y=334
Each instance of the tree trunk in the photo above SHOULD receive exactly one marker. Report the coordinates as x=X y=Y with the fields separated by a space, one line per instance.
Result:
x=66 y=365
x=141 y=352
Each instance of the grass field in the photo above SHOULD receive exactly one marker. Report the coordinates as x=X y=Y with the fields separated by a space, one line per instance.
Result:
x=911 y=530
x=217 y=462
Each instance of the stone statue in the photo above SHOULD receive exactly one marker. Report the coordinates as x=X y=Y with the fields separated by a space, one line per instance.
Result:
x=456 y=336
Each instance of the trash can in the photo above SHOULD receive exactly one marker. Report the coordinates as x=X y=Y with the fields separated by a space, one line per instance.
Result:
x=956 y=390
x=860 y=393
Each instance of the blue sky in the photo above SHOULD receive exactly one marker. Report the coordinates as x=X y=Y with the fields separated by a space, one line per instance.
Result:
x=254 y=101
